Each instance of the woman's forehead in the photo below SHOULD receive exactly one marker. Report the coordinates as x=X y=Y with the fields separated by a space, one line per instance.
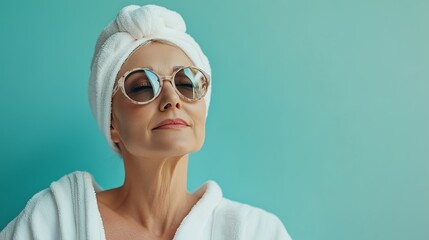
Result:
x=160 y=57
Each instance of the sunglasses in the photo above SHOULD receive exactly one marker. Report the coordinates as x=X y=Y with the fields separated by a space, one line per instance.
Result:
x=143 y=85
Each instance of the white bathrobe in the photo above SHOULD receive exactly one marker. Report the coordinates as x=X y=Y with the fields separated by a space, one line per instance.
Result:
x=68 y=210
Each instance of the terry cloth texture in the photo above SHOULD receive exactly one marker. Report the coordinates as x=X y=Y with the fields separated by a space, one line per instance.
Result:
x=68 y=210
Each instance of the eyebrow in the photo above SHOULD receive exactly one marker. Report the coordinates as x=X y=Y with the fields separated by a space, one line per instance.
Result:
x=177 y=67
x=174 y=67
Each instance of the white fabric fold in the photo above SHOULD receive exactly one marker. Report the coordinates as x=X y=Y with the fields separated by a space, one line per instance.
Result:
x=68 y=210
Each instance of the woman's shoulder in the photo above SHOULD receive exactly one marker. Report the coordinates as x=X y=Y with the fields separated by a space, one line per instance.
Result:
x=63 y=185
x=36 y=204
x=245 y=221
x=44 y=200
x=42 y=209
x=37 y=214
x=243 y=211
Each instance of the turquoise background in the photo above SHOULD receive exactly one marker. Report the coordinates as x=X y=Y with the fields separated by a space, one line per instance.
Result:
x=319 y=110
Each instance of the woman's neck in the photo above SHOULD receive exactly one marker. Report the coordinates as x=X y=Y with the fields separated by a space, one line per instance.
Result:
x=154 y=194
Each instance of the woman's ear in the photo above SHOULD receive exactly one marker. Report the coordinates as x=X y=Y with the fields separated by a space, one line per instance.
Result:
x=114 y=130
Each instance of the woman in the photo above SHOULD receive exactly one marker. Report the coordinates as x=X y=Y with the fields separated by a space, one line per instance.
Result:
x=149 y=91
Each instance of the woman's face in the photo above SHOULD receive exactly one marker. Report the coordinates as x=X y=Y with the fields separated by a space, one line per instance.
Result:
x=132 y=125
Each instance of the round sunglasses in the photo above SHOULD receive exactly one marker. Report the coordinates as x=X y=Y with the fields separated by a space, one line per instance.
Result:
x=143 y=85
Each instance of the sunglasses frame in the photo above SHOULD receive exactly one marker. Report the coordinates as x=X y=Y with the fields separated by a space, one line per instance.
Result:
x=161 y=80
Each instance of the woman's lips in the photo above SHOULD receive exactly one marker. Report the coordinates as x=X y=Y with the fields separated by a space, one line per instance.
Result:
x=172 y=124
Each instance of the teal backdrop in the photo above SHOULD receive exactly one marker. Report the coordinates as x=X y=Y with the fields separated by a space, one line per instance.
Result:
x=319 y=111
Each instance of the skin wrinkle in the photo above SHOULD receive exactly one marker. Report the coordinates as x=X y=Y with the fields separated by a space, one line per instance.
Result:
x=153 y=200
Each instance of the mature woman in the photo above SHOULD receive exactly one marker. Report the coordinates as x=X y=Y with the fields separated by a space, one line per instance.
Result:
x=149 y=91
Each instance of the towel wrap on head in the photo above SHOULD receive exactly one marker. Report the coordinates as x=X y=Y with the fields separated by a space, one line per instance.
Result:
x=133 y=26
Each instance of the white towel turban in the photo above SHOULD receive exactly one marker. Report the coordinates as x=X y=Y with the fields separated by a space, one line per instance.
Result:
x=133 y=26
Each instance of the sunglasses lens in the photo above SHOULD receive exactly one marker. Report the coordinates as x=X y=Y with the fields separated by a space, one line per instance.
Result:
x=191 y=83
x=141 y=85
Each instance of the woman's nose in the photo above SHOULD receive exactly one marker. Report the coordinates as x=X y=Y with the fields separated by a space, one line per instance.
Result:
x=169 y=97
